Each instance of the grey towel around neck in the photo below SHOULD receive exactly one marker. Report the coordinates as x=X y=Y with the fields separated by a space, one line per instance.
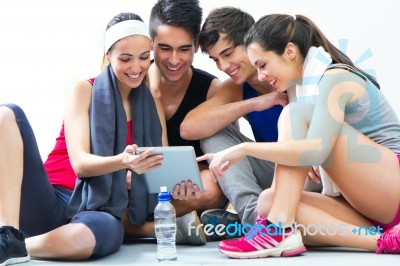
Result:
x=108 y=135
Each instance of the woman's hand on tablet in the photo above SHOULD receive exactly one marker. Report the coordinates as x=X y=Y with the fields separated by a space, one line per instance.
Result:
x=143 y=162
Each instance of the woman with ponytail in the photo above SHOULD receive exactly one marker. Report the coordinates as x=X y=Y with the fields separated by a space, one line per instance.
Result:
x=337 y=120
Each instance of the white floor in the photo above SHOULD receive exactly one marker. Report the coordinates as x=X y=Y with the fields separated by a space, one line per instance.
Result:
x=144 y=254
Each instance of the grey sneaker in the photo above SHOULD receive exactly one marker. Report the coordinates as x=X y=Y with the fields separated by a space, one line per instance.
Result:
x=12 y=246
x=188 y=231
x=219 y=216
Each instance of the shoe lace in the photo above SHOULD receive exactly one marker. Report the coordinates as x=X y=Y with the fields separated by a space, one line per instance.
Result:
x=389 y=242
x=255 y=230
x=260 y=220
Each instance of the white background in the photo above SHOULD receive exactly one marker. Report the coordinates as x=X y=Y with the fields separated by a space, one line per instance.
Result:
x=47 y=45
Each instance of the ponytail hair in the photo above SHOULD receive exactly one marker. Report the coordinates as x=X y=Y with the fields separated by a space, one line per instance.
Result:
x=274 y=32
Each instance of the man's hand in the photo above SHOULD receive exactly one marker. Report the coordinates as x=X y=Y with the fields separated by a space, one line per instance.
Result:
x=269 y=100
x=186 y=191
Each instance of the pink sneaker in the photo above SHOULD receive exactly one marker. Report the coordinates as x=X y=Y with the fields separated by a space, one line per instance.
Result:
x=389 y=242
x=263 y=241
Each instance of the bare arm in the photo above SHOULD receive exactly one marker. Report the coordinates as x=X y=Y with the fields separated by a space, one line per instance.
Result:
x=77 y=134
x=313 y=138
x=161 y=115
x=214 y=114
x=223 y=108
x=214 y=86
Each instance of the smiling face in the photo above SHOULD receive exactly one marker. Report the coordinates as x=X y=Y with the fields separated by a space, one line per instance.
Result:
x=281 y=71
x=232 y=60
x=174 y=50
x=130 y=60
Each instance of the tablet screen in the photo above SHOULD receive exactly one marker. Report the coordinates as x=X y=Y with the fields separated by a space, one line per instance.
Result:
x=179 y=164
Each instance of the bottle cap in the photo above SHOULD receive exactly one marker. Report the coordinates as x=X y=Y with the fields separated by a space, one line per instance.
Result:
x=164 y=194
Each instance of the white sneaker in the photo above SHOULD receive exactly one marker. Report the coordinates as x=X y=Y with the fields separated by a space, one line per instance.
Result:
x=186 y=230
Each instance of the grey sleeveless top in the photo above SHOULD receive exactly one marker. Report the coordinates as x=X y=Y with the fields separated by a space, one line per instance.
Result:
x=373 y=115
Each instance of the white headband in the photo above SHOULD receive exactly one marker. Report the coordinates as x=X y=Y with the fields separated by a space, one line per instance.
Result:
x=123 y=29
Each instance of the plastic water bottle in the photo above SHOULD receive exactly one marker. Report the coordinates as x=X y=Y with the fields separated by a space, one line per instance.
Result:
x=165 y=227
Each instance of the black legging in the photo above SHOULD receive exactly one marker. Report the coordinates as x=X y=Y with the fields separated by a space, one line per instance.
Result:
x=42 y=205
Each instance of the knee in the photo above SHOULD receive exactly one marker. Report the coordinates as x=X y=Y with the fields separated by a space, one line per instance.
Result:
x=223 y=139
x=81 y=240
x=7 y=117
x=295 y=118
x=264 y=202
x=212 y=197
x=206 y=144
x=284 y=117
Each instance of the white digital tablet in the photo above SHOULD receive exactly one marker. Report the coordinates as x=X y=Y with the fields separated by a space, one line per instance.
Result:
x=179 y=164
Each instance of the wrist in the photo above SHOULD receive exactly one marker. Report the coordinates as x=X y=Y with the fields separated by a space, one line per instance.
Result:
x=121 y=161
x=243 y=148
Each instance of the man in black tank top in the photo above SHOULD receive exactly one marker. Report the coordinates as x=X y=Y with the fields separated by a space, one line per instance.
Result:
x=174 y=29
x=196 y=93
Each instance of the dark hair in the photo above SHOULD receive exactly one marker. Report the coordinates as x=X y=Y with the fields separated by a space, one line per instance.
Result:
x=116 y=19
x=274 y=32
x=122 y=17
x=178 y=13
x=227 y=20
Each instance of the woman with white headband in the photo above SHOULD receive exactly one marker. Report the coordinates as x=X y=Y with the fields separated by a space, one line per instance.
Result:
x=106 y=118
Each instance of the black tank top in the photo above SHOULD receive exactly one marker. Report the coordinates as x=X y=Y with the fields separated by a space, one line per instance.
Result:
x=195 y=94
